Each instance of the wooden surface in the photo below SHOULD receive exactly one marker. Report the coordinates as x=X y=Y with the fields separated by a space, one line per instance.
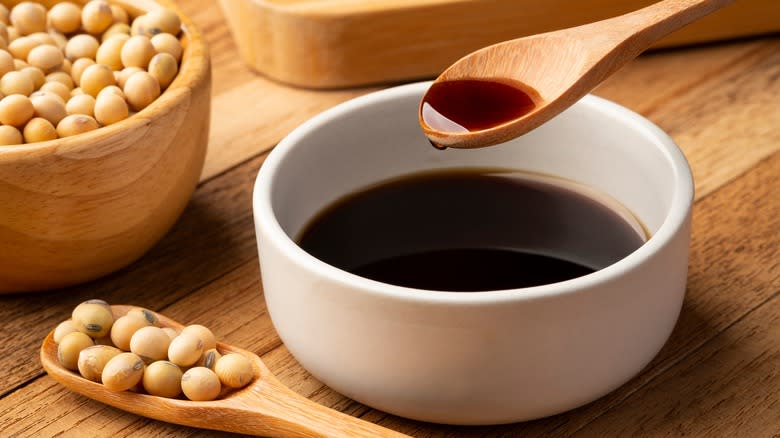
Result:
x=77 y=208
x=339 y=43
x=718 y=375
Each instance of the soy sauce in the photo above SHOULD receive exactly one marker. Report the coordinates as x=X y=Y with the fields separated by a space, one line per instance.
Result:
x=471 y=230
x=473 y=105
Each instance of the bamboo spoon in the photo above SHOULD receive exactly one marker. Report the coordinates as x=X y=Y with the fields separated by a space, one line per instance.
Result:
x=558 y=68
x=266 y=407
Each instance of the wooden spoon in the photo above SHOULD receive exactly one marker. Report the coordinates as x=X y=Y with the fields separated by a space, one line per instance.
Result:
x=266 y=407
x=557 y=68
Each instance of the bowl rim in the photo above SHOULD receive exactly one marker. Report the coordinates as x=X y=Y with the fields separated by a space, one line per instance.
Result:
x=193 y=72
x=267 y=226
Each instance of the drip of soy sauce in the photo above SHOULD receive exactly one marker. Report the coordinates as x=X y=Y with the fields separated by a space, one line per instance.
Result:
x=465 y=105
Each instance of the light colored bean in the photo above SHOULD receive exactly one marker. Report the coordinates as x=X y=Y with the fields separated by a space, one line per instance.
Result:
x=167 y=43
x=22 y=46
x=185 y=349
x=69 y=348
x=39 y=129
x=35 y=74
x=151 y=343
x=93 y=359
x=57 y=88
x=141 y=89
x=76 y=124
x=162 y=378
x=96 y=16
x=137 y=52
x=200 y=384
x=16 y=82
x=45 y=57
x=110 y=108
x=10 y=136
x=48 y=106
x=61 y=77
x=205 y=335
x=95 y=78
x=109 y=53
x=28 y=17
x=65 y=17
x=81 y=104
x=81 y=46
x=234 y=370
x=6 y=62
x=93 y=319
x=63 y=329
x=124 y=328
x=16 y=110
x=123 y=372
x=163 y=67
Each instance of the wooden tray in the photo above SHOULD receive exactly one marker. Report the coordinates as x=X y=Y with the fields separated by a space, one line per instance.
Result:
x=342 y=43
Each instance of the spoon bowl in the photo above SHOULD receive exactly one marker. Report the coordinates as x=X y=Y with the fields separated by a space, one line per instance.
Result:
x=556 y=69
x=265 y=407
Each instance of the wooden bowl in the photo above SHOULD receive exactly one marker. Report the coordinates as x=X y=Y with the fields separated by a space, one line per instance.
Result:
x=76 y=208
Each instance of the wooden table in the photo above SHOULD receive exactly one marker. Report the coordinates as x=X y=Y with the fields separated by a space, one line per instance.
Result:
x=718 y=375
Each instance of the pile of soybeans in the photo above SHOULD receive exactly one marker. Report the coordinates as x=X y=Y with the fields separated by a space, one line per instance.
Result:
x=72 y=69
x=134 y=352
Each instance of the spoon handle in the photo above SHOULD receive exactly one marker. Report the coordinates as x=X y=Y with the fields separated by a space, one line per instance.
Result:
x=636 y=31
x=271 y=409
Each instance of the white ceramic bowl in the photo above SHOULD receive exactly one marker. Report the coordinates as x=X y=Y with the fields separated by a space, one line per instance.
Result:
x=485 y=357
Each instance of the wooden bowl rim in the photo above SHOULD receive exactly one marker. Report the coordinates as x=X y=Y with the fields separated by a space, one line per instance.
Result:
x=193 y=72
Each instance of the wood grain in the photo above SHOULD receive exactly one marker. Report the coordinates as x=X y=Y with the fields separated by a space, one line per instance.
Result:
x=205 y=269
x=348 y=42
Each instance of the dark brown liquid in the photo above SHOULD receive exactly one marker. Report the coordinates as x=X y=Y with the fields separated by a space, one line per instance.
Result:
x=473 y=105
x=470 y=230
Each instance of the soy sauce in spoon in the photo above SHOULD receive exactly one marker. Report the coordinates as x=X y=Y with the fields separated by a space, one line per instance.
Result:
x=468 y=105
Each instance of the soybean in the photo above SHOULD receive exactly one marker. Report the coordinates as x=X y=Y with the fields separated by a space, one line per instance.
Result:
x=151 y=343
x=96 y=16
x=167 y=43
x=123 y=372
x=28 y=17
x=137 y=51
x=81 y=104
x=163 y=67
x=141 y=89
x=39 y=129
x=49 y=106
x=200 y=384
x=162 y=378
x=95 y=78
x=185 y=349
x=93 y=359
x=16 y=82
x=65 y=17
x=93 y=319
x=124 y=328
x=234 y=370
x=110 y=108
x=10 y=136
x=63 y=329
x=76 y=124
x=205 y=335
x=45 y=57
x=81 y=46
x=16 y=110
x=69 y=348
